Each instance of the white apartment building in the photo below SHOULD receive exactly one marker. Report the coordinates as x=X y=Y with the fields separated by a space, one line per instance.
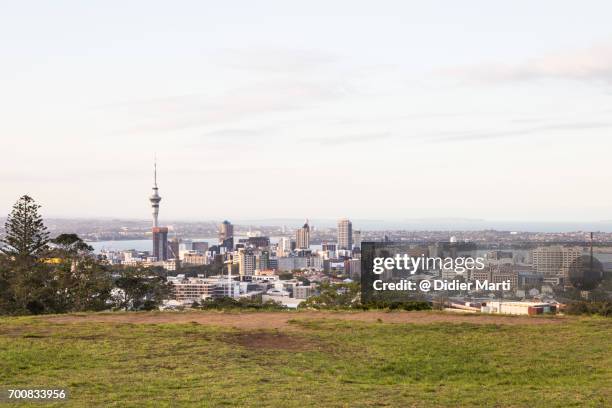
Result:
x=246 y=262
x=345 y=234
x=192 y=289
x=555 y=262
x=195 y=258
x=284 y=246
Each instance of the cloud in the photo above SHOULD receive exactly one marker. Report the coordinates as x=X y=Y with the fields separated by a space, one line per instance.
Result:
x=587 y=64
x=217 y=139
x=271 y=96
x=349 y=139
x=248 y=83
x=490 y=135
x=224 y=134
x=276 y=60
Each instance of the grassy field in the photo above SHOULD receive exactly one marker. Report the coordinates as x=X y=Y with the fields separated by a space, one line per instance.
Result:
x=312 y=362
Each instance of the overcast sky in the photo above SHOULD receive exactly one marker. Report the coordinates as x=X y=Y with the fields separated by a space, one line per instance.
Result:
x=320 y=109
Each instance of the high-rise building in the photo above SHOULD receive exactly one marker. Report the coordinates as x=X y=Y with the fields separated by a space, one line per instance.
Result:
x=357 y=239
x=226 y=230
x=302 y=237
x=174 y=248
x=258 y=242
x=160 y=243
x=263 y=260
x=246 y=261
x=283 y=247
x=555 y=262
x=345 y=234
x=328 y=246
x=200 y=246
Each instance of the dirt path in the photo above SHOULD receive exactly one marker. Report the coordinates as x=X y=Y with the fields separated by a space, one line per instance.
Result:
x=277 y=320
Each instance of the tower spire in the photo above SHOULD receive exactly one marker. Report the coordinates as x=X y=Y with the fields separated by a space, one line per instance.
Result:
x=155 y=171
x=155 y=198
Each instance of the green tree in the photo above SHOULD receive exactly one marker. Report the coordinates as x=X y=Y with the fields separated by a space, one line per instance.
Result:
x=71 y=244
x=139 y=289
x=83 y=283
x=35 y=278
x=28 y=285
x=341 y=295
x=35 y=289
x=8 y=303
x=285 y=275
x=26 y=236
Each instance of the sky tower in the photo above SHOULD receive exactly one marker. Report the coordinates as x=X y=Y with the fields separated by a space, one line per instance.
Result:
x=155 y=198
x=160 y=234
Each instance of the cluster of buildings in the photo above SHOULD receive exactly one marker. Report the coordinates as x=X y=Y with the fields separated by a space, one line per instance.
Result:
x=540 y=268
x=536 y=277
x=289 y=269
x=289 y=293
x=528 y=268
x=251 y=266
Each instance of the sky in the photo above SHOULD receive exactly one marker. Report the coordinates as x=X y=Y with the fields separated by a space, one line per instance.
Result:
x=319 y=109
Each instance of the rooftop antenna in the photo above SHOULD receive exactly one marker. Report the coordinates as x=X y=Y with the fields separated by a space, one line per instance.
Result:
x=155 y=170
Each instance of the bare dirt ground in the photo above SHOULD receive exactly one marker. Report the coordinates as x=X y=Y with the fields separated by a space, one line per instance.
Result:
x=273 y=340
x=278 y=320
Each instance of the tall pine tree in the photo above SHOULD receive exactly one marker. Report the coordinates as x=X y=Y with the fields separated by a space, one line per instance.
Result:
x=26 y=235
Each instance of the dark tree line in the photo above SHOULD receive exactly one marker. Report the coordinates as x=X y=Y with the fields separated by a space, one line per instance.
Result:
x=43 y=275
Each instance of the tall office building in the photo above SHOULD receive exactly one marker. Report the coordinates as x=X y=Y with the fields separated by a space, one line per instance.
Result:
x=263 y=261
x=345 y=234
x=226 y=230
x=302 y=237
x=160 y=243
x=226 y=235
x=246 y=261
x=328 y=246
x=283 y=247
x=200 y=246
x=173 y=247
x=357 y=239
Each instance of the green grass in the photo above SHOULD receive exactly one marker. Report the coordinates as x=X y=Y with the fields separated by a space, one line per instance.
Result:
x=315 y=363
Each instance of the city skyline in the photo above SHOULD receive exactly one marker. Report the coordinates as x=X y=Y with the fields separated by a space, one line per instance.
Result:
x=406 y=111
x=312 y=204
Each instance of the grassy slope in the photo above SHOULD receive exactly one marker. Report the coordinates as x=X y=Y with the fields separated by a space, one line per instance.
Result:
x=319 y=363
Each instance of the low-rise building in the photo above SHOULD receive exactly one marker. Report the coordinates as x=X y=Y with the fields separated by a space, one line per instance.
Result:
x=302 y=292
x=192 y=289
x=195 y=259
x=518 y=308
